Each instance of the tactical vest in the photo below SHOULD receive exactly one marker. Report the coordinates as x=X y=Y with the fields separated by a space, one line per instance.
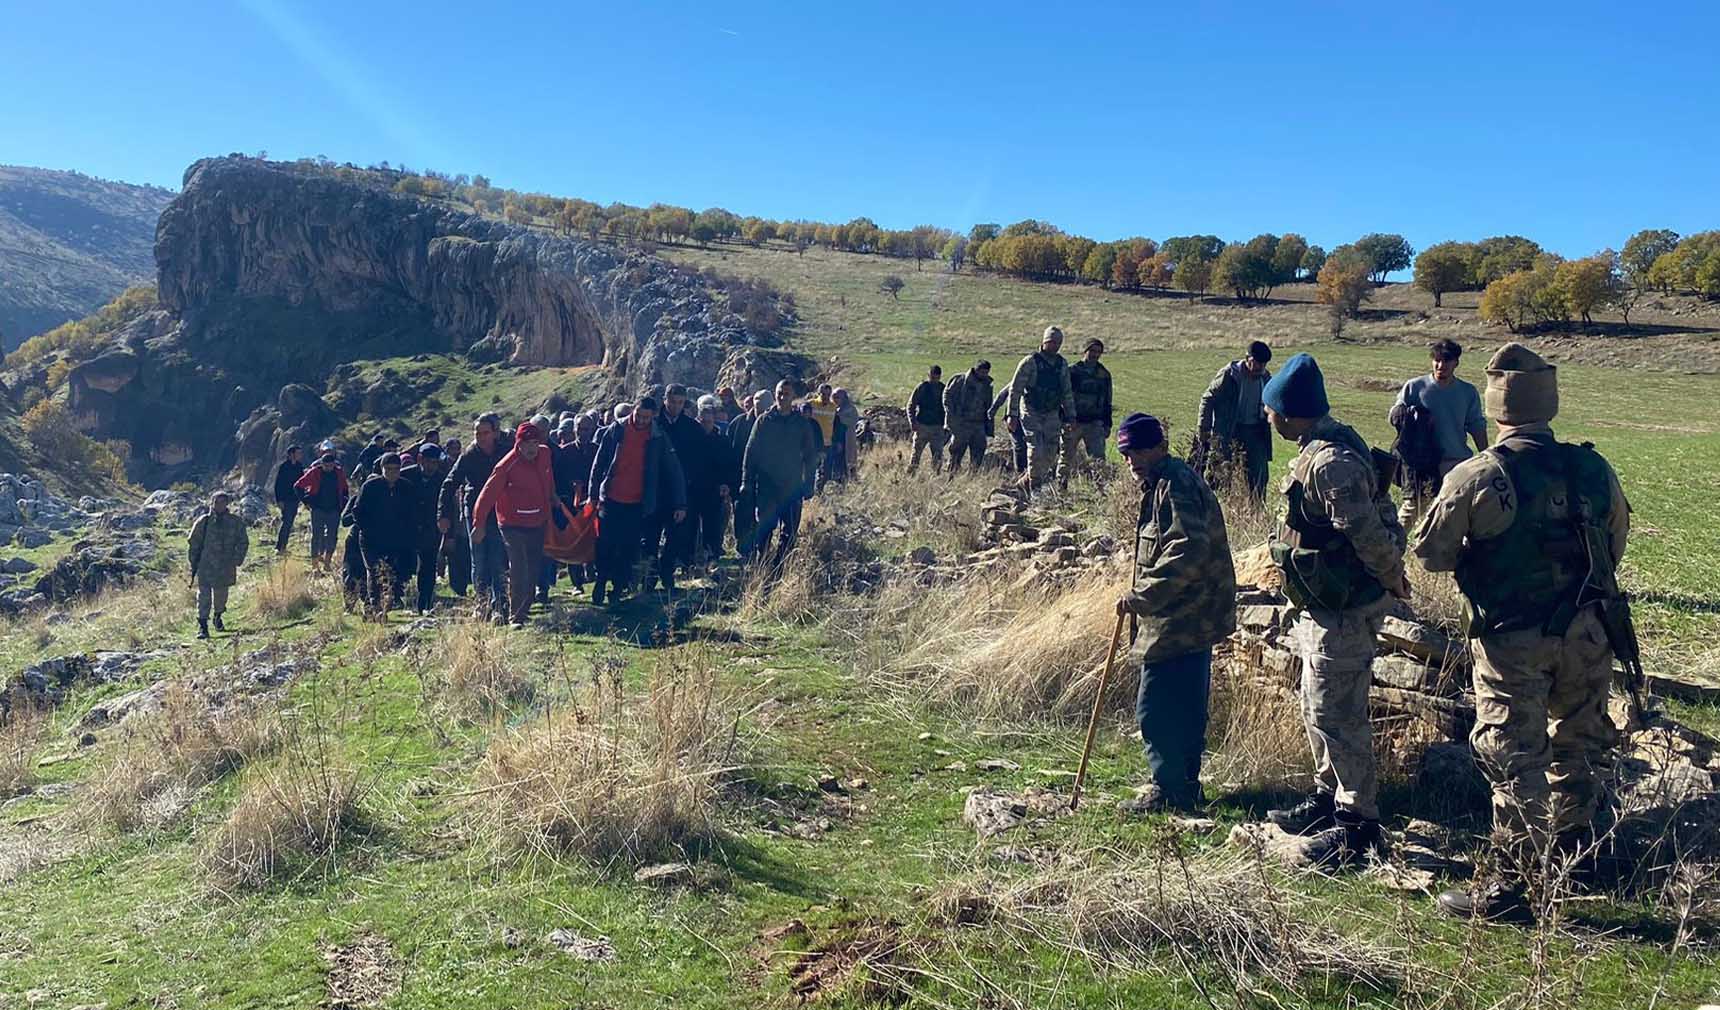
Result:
x=1088 y=387
x=1530 y=575
x=1046 y=393
x=1321 y=568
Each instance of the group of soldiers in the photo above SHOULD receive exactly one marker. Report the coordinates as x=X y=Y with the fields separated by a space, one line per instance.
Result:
x=1533 y=529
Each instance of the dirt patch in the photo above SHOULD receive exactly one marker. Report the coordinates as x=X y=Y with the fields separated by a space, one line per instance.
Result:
x=363 y=973
x=864 y=960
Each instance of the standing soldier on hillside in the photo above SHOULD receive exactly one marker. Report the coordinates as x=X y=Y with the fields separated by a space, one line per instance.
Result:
x=1233 y=418
x=926 y=416
x=1341 y=552
x=1090 y=385
x=967 y=399
x=286 y=495
x=217 y=548
x=1182 y=602
x=1534 y=529
x=1017 y=438
x=1041 y=402
x=1442 y=409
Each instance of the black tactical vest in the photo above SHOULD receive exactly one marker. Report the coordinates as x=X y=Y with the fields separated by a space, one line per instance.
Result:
x=1046 y=393
x=1321 y=568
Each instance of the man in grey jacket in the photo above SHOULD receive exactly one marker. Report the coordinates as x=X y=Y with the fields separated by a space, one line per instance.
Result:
x=1233 y=419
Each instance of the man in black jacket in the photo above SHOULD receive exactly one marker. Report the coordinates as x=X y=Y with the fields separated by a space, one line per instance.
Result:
x=287 y=496
x=385 y=519
x=454 y=508
x=635 y=473
x=926 y=414
x=688 y=441
x=367 y=458
x=425 y=478
x=710 y=481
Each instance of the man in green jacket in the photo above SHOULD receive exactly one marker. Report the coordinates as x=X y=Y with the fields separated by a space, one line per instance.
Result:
x=781 y=459
x=218 y=545
x=1181 y=603
x=1090 y=385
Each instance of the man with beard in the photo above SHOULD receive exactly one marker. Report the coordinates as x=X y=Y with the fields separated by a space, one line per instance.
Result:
x=459 y=493
x=636 y=473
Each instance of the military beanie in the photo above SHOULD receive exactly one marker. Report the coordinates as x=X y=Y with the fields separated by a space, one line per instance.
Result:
x=1521 y=387
x=1299 y=390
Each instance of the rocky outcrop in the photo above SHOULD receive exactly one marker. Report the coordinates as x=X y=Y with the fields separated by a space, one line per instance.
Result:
x=271 y=275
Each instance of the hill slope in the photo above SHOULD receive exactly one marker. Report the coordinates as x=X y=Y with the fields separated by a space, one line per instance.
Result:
x=68 y=243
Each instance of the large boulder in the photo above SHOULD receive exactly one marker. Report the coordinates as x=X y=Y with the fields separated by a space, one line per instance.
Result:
x=749 y=369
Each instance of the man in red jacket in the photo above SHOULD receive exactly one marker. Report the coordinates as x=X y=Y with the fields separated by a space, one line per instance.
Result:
x=325 y=489
x=521 y=493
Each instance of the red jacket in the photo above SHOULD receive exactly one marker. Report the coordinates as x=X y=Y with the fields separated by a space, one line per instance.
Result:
x=311 y=482
x=520 y=491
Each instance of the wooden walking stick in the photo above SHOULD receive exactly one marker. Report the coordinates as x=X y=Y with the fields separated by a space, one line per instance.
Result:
x=1098 y=702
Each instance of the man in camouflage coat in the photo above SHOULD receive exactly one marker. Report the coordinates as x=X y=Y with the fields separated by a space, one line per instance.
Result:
x=219 y=541
x=1182 y=602
x=1509 y=523
x=967 y=399
x=1090 y=388
x=1042 y=405
x=1340 y=549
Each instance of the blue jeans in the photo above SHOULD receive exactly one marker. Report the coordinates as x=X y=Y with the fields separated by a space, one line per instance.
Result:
x=489 y=569
x=1172 y=709
x=783 y=515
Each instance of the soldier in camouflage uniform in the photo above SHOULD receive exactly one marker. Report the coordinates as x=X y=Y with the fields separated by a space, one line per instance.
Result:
x=1508 y=522
x=1182 y=601
x=1042 y=404
x=1341 y=551
x=1090 y=386
x=217 y=549
x=967 y=399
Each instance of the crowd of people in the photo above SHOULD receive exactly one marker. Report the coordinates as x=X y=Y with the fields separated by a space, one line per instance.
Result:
x=1532 y=528
x=663 y=482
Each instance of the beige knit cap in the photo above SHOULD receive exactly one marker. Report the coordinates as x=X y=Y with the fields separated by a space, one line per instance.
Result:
x=1521 y=387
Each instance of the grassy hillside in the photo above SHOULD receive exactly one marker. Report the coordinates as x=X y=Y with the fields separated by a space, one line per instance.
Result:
x=443 y=814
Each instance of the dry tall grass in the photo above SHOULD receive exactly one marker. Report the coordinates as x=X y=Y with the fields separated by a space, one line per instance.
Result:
x=475 y=669
x=285 y=592
x=616 y=780
x=21 y=732
x=290 y=813
x=165 y=755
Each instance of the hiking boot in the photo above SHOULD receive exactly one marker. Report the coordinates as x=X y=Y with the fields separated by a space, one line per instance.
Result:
x=1348 y=842
x=597 y=592
x=1153 y=800
x=202 y=629
x=218 y=625
x=1492 y=901
x=1312 y=814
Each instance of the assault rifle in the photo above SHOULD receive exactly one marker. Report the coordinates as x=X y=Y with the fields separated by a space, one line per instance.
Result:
x=1601 y=590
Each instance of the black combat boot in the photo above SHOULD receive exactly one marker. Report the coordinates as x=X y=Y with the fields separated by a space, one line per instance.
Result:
x=1348 y=842
x=1493 y=900
x=218 y=625
x=1312 y=814
x=202 y=628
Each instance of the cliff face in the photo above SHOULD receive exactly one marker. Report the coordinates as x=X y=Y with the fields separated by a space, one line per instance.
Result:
x=273 y=274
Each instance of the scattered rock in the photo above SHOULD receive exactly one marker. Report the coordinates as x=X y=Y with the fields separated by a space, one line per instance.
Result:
x=580 y=947
x=116 y=710
x=664 y=874
x=17 y=566
x=361 y=974
x=991 y=812
x=922 y=556
x=997 y=765
x=1273 y=843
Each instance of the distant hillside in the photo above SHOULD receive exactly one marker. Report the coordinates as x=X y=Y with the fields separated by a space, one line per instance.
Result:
x=68 y=244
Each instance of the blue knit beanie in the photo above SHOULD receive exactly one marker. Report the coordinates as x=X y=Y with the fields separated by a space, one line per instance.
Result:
x=1298 y=390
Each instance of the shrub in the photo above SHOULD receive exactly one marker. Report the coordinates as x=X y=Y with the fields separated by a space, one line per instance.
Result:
x=21 y=730
x=48 y=426
x=286 y=592
x=292 y=812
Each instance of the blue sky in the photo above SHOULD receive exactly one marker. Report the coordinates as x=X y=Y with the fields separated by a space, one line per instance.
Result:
x=1574 y=123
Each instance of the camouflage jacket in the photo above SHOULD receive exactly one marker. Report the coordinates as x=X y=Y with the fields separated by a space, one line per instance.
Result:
x=1090 y=383
x=967 y=399
x=218 y=546
x=1184 y=593
x=1341 y=489
x=1028 y=383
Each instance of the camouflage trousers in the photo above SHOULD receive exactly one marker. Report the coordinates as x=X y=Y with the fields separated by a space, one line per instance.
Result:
x=928 y=436
x=1337 y=650
x=966 y=441
x=1542 y=732
x=1048 y=446
x=1090 y=435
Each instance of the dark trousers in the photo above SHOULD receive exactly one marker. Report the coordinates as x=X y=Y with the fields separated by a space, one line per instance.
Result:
x=289 y=512
x=353 y=577
x=525 y=566
x=778 y=517
x=746 y=520
x=489 y=563
x=618 y=527
x=1254 y=443
x=459 y=554
x=705 y=522
x=678 y=540
x=1172 y=709
x=325 y=527
x=386 y=565
x=426 y=558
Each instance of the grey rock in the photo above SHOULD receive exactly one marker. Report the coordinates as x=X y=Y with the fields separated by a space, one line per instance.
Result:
x=17 y=566
x=30 y=537
x=116 y=710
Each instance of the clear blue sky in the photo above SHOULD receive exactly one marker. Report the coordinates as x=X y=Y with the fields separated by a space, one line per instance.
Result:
x=1574 y=123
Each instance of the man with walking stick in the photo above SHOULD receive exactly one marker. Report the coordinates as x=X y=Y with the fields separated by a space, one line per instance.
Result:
x=1182 y=601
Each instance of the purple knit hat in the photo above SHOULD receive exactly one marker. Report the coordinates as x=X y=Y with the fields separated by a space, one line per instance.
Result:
x=1140 y=431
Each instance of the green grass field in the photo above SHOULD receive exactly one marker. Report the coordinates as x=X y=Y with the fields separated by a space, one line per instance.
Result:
x=95 y=917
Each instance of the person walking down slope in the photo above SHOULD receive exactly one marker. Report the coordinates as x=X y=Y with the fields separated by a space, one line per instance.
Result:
x=746 y=506
x=635 y=473
x=325 y=490
x=1017 y=437
x=425 y=477
x=1534 y=528
x=1233 y=418
x=454 y=508
x=926 y=416
x=217 y=548
x=367 y=458
x=384 y=519
x=967 y=400
x=1042 y=403
x=456 y=549
x=1090 y=388
x=780 y=455
x=520 y=494
x=1181 y=603
x=1433 y=414
x=1340 y=550
x=847 y=422
x=286 y=495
